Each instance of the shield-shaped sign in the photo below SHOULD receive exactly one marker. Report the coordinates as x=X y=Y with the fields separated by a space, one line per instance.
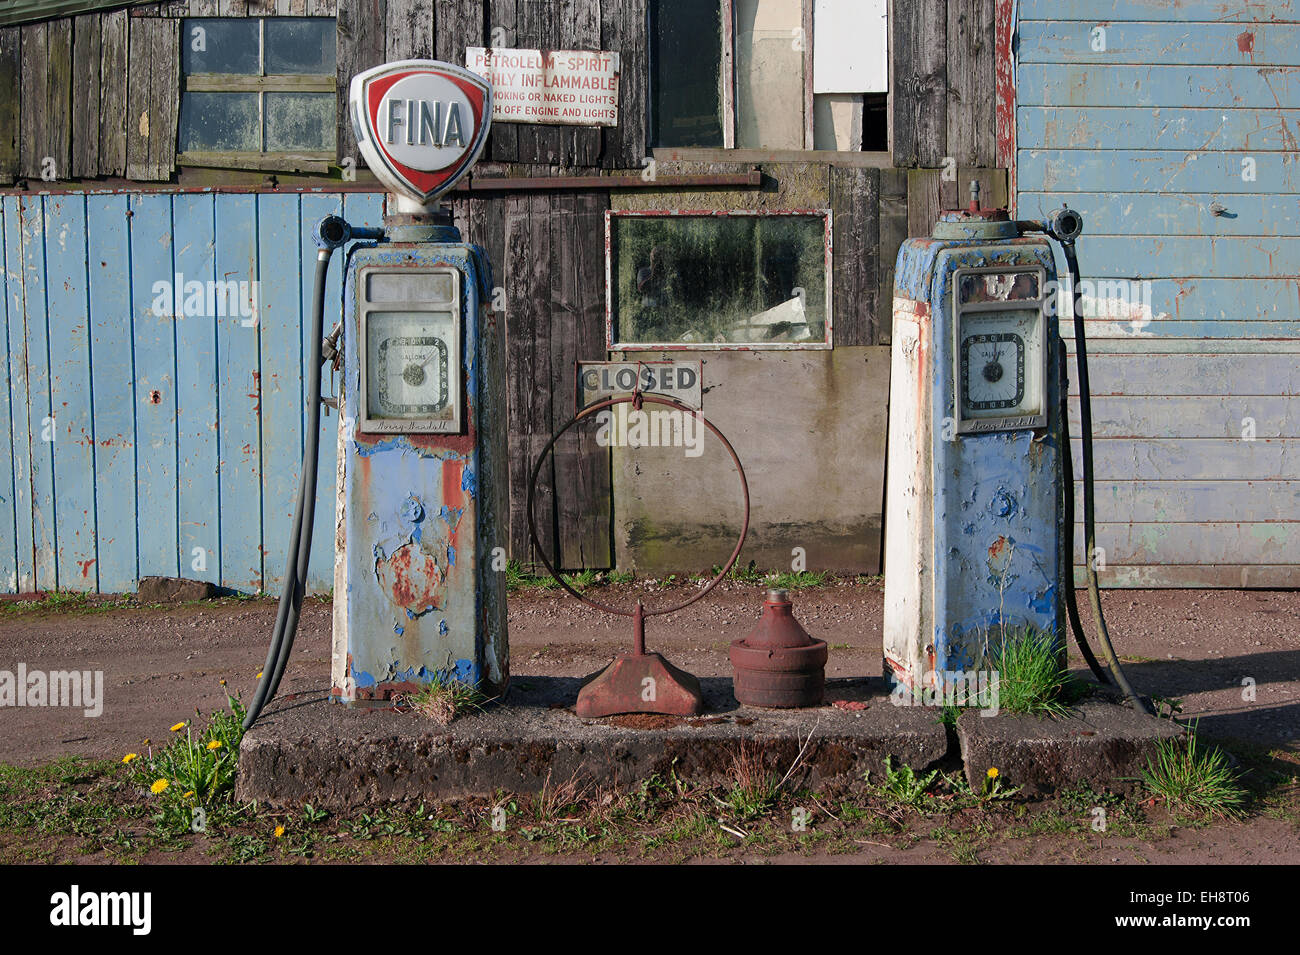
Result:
x=420 y=124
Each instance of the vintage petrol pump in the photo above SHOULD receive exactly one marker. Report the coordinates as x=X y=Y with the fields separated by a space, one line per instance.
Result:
x=422 y=457
x=979 y=514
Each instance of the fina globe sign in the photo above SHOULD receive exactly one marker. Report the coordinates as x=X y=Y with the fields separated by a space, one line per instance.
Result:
x=420 y=124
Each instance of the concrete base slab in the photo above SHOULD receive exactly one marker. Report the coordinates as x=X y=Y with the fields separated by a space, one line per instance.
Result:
x=1101 y=743
x=336 y=757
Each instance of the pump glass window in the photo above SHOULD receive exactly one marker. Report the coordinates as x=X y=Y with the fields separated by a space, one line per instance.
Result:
x=258 y=92
x=410 y=362
x=1000 y=350
x=717 y=281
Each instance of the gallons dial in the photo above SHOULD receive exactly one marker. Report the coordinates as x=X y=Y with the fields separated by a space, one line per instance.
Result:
x=1000 y=363
x=409 y=363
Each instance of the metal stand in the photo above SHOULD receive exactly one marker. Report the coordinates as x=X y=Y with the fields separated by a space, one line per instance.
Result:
x=638 y=682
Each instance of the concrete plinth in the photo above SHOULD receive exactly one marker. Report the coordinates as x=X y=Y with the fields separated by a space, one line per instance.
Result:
x=1101 y=744
x=332 y=756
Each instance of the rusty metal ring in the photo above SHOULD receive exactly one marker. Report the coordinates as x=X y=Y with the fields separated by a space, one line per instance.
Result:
x=636 y=399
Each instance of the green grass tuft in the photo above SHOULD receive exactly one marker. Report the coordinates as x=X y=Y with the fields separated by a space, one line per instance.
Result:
x=1193 y=778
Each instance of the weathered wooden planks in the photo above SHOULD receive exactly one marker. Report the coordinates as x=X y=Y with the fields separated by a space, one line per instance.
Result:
x=360 y=46
x=855 y=222
x=153 y=98
x=1205 y=87
x=623 y=29
x=971 y=93
x=86 y=41
x=919 y=82
x=1170 y=171
x=409 y=30
x=10 y=102
x=112 y=93
x=1185 y=214
x=1187 y=44
x=15 y=369
x=1194 y=129
x=9 y=514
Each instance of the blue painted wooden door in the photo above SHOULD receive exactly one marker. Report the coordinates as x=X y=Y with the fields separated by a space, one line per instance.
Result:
x=154 y=421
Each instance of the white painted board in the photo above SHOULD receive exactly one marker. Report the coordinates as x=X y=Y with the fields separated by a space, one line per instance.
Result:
x=850 y=46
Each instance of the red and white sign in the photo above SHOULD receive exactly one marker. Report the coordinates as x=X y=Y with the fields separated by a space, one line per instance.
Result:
x=559 y=87
x=420 y=124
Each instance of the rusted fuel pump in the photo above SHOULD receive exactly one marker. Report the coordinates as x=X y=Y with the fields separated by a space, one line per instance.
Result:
x=979 y=513
x=421 y=411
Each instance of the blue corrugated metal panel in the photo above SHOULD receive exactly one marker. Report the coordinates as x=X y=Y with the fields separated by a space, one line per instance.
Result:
x=152 y=305
x=280 y=328
x=40 y=420
x=112 y=389
x=1194 y=130
x=198 y=499
x=70 y=370
x=177 y=412
x=8 y=514
x=24 y=559
x=239 y=377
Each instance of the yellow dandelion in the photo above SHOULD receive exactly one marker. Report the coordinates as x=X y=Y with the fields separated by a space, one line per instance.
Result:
x=159 y=785
x=188 y=794
x=992 y=773
x=279 y=831
x=178 y=727
x=259 y=674
x=130 y=756
x=222 y=682
x=215 y=744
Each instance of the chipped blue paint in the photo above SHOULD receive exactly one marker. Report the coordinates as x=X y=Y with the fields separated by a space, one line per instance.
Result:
x=417 y=560
x=988 y=527
x=180 y=437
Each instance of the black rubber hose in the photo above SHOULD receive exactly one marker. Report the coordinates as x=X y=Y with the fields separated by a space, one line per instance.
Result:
x=1067 y=513
x=1089 y=522
x=295 y=578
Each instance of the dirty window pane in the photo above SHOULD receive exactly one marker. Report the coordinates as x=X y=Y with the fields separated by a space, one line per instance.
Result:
x=685 y=73
x=299 y=121
x=300 y=45
x=999 y=287
x=740 y=279
x=220 y=46
x=225 y=122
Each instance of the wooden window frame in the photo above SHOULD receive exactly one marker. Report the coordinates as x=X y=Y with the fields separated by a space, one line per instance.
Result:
x=312 y=160
x=728 y=86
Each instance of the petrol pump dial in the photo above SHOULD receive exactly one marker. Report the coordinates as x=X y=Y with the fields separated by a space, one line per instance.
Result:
x=410 y=324
x=1000 y=353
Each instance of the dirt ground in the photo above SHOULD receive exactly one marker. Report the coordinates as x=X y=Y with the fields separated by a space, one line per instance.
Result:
x=161 y=664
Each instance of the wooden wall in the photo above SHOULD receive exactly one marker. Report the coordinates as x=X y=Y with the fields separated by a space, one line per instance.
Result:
x=1173 y=134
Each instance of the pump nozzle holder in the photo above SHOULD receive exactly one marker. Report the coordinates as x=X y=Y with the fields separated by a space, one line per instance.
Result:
x=779 y=665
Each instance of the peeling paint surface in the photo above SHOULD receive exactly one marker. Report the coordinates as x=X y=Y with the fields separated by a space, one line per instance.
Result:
x=420 y=516
x=973 y=532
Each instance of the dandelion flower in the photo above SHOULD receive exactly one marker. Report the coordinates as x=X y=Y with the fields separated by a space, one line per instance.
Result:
x=159 y=785
x=145 y=743
x=223 y=682
x=130 y=756
x=259 y=674
x=279 y=831
x=188 y=794
x=214 y=744
x=178 y=727
x=992 y=773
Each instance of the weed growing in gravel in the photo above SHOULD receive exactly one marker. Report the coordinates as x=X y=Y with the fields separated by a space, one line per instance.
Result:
x=1194 y=779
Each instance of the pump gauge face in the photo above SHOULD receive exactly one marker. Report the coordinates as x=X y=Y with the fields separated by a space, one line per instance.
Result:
x=410 y=326
x=1000 y=366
